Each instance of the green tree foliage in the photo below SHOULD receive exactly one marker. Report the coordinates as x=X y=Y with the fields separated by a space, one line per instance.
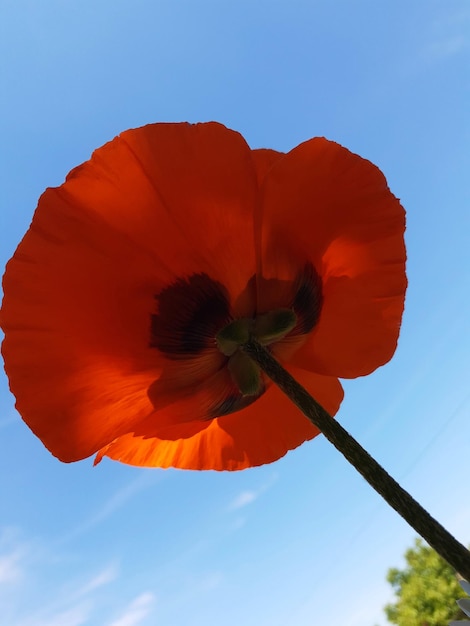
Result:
x=426 y=590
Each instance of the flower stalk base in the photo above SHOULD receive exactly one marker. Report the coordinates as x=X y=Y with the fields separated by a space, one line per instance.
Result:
x=412 y=512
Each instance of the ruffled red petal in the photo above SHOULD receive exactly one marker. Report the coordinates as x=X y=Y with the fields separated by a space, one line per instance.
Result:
x=324 y=205
x=155 y=205
x=263 y=160
x=261 y=433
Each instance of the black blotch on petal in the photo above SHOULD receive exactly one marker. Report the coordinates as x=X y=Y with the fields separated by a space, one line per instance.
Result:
x=232 y=403
x=308 y=299
x=190 y=313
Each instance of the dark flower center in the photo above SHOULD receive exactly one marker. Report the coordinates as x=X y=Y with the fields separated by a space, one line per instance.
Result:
x=308 y=299
x=194 y=314
x=190 y=313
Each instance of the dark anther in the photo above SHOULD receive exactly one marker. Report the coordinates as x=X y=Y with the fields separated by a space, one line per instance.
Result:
x=308 y=299
x=190 y=313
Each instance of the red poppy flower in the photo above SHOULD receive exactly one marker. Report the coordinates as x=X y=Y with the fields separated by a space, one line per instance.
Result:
x=116 y=298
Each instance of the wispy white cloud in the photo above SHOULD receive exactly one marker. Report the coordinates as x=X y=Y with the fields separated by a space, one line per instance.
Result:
x=243 y=499
x=210 y=581
x=449 y=35
x=137 y=610
x=144 y=481
x=106 y=576
x=246 y=497
x=441 y=40
x=72 y=605
x=75 y=616
x=446 y=47
x=13 y=555
x=10 y=566
x=457 y=18
x=238 y=523
x=25 y=567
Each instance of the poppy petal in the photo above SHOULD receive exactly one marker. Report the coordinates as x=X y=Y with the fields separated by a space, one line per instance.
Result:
x=261 y=433
x=155 y=205
x=203 y=399
x=206 y=185
x=263 y=160
x=76 y=338
x=323 y=205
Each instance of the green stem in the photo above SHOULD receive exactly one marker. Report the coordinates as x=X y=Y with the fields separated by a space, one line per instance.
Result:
x=417 y=517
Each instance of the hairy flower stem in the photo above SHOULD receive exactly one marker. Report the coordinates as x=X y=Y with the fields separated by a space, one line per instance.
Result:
x=418 y=518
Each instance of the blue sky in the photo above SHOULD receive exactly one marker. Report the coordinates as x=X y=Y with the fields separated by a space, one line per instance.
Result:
x=304 y=540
